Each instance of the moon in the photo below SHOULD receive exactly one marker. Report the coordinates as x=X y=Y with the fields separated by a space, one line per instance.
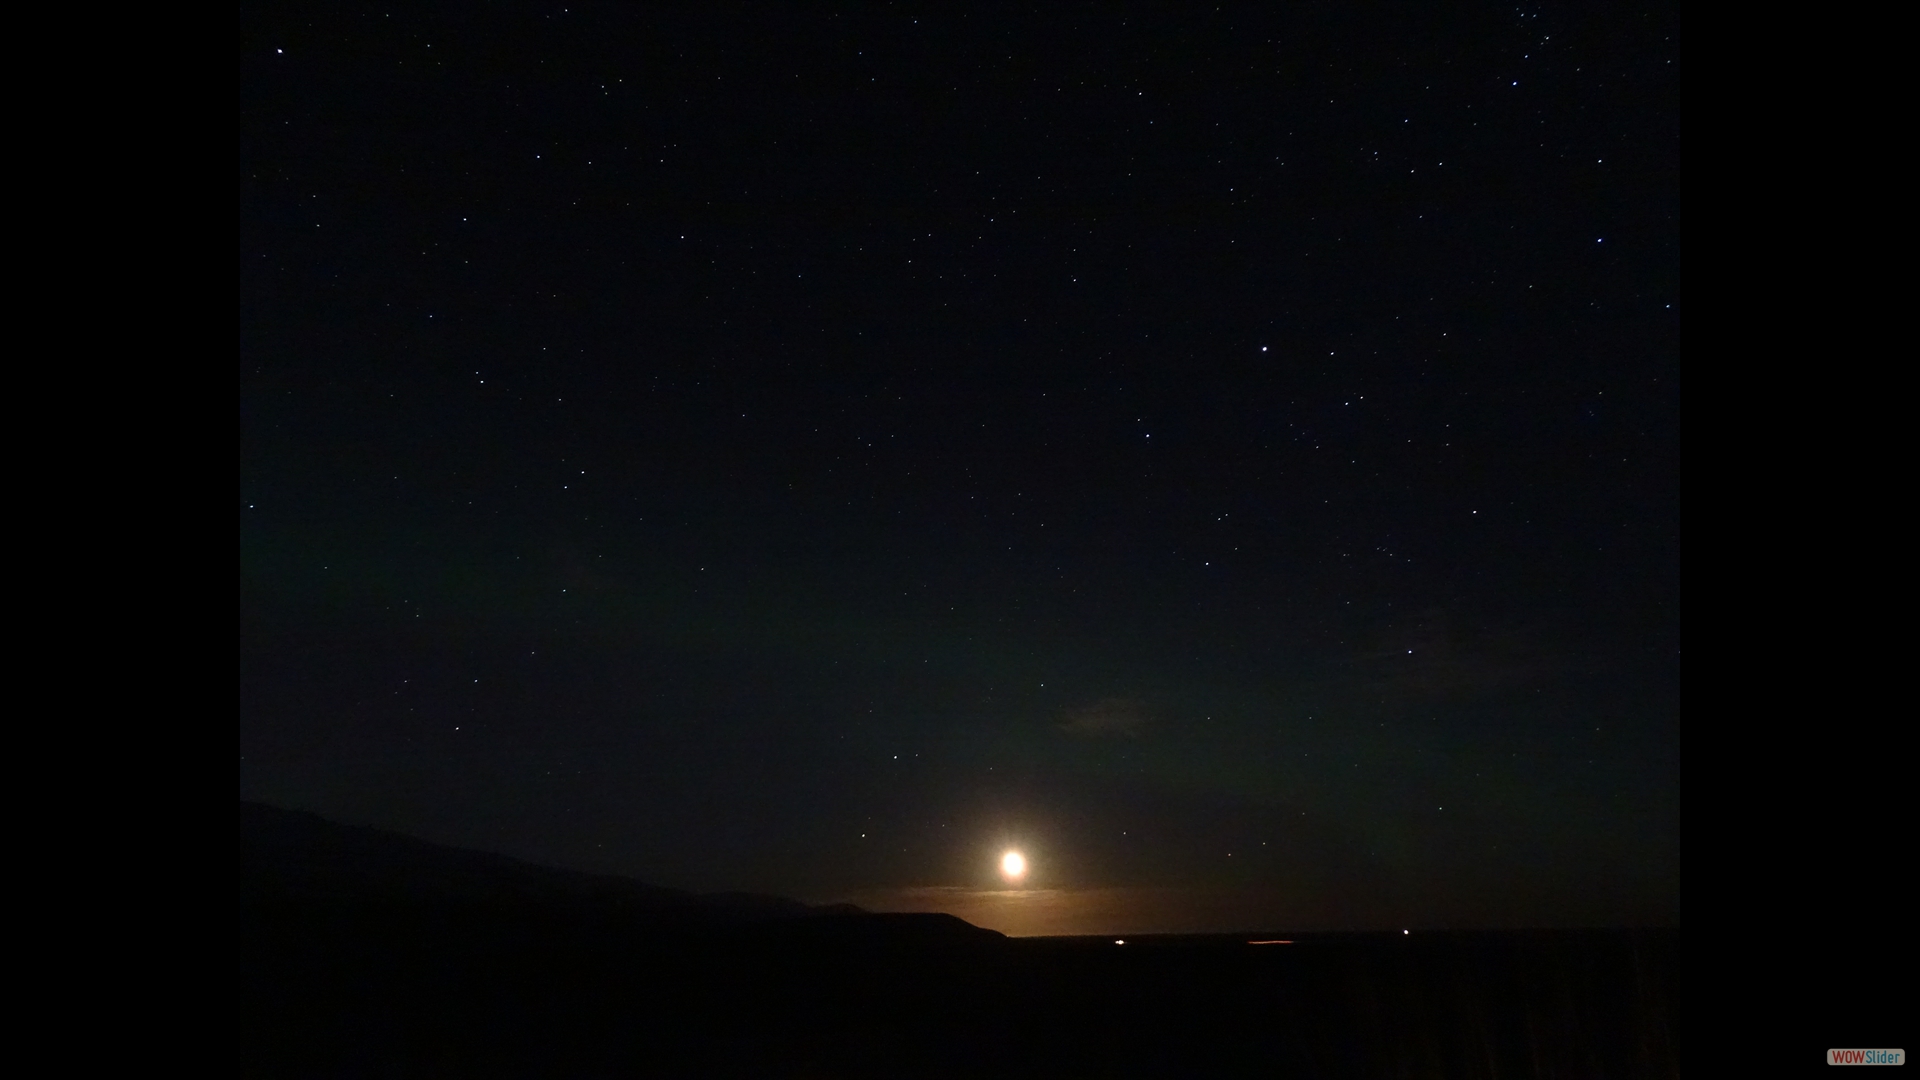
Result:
x=1013 y=865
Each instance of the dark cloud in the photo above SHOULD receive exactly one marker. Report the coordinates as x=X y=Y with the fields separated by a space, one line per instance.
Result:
x=1432 y=655
x=1107 y=718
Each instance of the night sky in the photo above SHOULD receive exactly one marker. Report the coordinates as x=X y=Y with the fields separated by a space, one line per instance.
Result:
x=1229 y=455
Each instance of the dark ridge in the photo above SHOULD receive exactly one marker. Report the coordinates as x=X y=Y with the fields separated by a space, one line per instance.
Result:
x=290 y=855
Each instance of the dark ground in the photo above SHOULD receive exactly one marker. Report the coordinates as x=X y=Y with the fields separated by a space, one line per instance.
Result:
x=371 y=955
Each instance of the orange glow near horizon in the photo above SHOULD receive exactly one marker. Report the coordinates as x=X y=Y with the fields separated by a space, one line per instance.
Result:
x=1013 y=865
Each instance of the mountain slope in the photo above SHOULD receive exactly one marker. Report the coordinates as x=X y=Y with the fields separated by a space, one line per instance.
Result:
x=289 y=855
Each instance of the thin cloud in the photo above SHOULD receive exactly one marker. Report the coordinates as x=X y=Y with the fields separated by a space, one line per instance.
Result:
x=1430 y=657
x=1106 y=718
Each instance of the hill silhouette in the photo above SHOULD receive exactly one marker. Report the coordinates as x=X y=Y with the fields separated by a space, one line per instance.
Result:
x=292 y=855
x=365 y=953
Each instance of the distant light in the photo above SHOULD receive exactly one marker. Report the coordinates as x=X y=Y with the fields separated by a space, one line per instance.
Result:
x=1406 y=931
x=1119 y=941
x=1013 y=864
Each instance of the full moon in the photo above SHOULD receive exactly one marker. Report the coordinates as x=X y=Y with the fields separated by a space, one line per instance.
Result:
x=1013 y=864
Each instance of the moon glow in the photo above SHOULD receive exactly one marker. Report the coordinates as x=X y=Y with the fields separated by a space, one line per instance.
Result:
x=1013 y=865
